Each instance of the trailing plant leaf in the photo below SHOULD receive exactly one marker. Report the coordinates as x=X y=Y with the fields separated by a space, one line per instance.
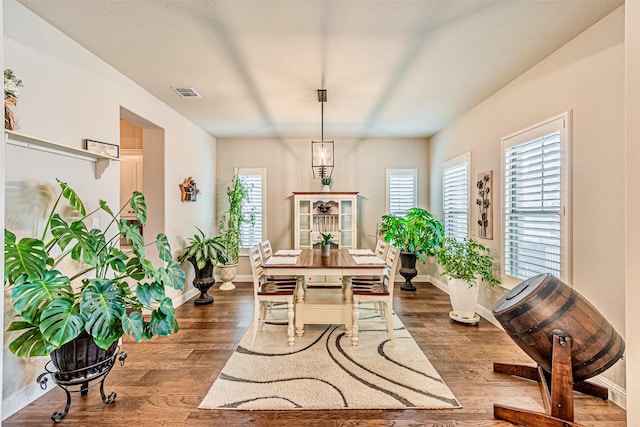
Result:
x=230 y=223
x=26 y=257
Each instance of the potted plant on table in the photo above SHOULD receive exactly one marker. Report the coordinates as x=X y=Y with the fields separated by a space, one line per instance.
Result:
x=203 y=253
x=325 y=244
x=465 y=263
x=416 y=234
x=229 y=230
x=90 y=301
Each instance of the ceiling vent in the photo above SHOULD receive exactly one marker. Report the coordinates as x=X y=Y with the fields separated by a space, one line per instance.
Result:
x=186 y=92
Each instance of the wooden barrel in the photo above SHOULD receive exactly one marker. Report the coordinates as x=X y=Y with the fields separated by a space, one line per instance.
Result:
x=535 y=308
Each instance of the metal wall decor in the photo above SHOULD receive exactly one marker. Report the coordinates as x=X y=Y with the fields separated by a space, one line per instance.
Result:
x=484 y=201
x=322 y=151
x=189 y=190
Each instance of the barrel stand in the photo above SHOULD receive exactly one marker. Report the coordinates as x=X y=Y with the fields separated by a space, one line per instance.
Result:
x=557 y=396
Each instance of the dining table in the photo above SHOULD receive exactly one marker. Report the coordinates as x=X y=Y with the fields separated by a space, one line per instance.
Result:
x=317 y=303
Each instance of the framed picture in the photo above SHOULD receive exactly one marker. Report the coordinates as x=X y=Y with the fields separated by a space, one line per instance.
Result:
x=104 y=148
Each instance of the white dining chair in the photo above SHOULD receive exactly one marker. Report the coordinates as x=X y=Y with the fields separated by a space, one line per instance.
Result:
x=267 y=292
x=380 y=292
x=267 y=252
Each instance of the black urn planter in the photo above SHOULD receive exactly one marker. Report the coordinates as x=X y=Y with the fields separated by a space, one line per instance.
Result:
x=408 y=270
x=203 y=281
x=77 y=363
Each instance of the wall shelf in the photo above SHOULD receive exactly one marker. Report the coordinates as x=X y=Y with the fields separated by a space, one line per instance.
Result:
x=21 y=140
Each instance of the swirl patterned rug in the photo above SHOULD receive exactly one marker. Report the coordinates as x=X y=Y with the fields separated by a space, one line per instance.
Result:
x=324 y=371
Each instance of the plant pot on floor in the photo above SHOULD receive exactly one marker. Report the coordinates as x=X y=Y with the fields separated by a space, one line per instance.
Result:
x=203 y=281
x=77 y=363
x=463 y=301
x=227 y=273
x=408 y=270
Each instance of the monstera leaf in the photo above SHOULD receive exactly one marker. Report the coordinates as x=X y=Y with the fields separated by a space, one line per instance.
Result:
x=131 y=232
x=164 y=250
x=104 y=307
x=30 y=297
x=31 y=343
x=72 y=197
x=84 y=249
x=26 y=257
x=171 y=275
x=133 y=325
x=61 y=322
x=139 y=207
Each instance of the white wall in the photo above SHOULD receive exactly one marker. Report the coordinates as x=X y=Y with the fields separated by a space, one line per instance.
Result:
x=2 y=161
x=632 y=225
x=587 y=77
x=359 y=166
x=70 y=95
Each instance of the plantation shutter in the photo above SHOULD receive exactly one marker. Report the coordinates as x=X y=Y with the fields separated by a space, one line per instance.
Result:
x=532 y=222
x=456 y=198
x=251 y=234
x=401 y=190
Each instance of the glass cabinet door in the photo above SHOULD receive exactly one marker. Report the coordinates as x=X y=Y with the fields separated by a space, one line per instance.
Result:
x=346 y=224
x=304 y=224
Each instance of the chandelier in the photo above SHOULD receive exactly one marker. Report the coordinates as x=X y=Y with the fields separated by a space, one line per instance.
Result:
x=322 y=151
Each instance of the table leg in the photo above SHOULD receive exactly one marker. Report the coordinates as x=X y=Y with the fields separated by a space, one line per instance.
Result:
x=355 y=318
x=348 y=303
x=290 y=338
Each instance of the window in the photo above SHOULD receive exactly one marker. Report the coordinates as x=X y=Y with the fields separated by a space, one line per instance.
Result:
x=455 y=195
x=254 y=180
x=536 y=182
x=402 y=190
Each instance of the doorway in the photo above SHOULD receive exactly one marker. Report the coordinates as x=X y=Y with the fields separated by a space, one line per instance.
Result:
x=142 y=169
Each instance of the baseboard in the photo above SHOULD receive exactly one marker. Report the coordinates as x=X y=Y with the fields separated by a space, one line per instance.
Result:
x=186 y=296
x=617 y=394
x=20 y=399
x=239 y=278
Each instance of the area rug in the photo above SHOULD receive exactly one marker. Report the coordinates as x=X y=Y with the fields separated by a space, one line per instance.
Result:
x=324 y=371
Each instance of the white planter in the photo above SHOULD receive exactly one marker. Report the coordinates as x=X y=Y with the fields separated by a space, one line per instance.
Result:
x=326 y=188
x=463 y=298
x=227 y=273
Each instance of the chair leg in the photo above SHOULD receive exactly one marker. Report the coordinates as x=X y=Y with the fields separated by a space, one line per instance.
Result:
x=290 y=335
x=263 y=314
x=356 y=317
x=389 y=316
x=256 y=321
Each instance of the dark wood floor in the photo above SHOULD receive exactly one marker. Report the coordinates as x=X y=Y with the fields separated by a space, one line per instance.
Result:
x=164 y=380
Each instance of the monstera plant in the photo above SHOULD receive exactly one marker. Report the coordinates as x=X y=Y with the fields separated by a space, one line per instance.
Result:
x=104 y=292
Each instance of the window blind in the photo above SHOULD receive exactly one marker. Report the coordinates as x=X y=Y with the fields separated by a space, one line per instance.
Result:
x=456 y=200
x=401 y=190
x=532 y=223
x=251 y=234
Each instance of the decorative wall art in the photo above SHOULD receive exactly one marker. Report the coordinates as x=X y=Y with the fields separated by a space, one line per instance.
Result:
x=189 y=190
x=104 y=148
x=485 y=204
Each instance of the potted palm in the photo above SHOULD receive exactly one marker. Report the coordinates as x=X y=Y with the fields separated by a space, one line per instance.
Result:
x=229 y=231
x=465 y=263
x=91 y=300
x=416 y=234
x=203 y=253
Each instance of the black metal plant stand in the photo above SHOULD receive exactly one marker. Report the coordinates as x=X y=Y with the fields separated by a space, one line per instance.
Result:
x=81 y=377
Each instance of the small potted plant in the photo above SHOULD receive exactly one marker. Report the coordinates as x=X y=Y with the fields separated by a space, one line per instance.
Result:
x=326 y=184
x=416 y=234
x=325 y=244
x=203 y=253
x=229 y=230
x=465 y=263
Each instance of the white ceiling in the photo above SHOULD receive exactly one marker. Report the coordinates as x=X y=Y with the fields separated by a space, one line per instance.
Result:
x=390 y=67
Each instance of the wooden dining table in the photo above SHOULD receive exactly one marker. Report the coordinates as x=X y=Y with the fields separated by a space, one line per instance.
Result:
x=320 y=304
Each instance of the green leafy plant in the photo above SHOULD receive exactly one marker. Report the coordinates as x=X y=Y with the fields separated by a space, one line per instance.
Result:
x=232 y=220
x=12 y=85
x=417 y=232
x=326 y=181
x=466 y=260
x=95 y=296
x=326 y=238
x=203 y=249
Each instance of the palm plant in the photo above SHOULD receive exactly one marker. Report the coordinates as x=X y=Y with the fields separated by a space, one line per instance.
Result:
x=96 y=294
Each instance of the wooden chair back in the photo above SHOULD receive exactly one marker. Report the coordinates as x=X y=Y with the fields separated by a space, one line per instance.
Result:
x=381 y=249
x=266 y=249
x=392 y=263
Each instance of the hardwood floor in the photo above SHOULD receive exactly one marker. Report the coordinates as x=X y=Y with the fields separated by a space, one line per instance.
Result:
x=164 y=380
